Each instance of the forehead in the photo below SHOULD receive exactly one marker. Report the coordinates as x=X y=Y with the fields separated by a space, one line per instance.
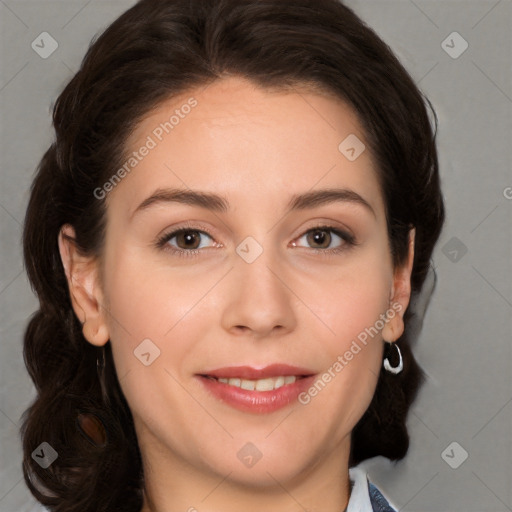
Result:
x=239 y=139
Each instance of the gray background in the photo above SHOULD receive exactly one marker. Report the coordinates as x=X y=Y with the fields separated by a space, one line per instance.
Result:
x=465 y=345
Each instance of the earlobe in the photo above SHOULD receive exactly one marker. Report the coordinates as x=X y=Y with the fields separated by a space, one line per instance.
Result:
x=84 y=290
x=95 y=332
x=400 y=295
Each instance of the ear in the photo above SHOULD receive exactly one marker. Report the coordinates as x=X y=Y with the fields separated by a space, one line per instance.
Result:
x=400 y=295
x=82 y=274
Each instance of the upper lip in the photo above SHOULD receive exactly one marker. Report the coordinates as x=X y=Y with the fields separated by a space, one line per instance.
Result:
x=248 y=372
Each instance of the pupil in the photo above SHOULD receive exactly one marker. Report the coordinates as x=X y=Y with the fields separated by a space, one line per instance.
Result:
x=189 y=239
x=322 y=238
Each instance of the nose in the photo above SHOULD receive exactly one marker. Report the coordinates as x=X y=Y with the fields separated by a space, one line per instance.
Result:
x=259 y=300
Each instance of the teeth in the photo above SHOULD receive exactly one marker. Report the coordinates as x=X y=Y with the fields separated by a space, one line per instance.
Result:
x=265 y=385
x=268 y=384
x=247 y=384
x=279 y=382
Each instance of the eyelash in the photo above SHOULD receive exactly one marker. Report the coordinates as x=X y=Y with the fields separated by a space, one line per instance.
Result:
x=162 y=242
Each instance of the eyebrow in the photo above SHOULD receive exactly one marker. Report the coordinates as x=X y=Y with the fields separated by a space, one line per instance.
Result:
x=220 y=204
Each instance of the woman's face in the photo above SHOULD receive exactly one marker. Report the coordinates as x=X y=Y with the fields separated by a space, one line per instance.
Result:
x=282 y=279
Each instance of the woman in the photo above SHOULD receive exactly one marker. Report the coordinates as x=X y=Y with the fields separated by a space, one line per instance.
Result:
x=224 y=239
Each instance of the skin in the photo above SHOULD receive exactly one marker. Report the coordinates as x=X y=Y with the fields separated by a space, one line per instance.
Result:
x=294 y=304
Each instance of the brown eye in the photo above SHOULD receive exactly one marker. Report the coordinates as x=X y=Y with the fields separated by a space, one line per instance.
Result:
x=325 y=239
x=188 y=239
x=319 y=238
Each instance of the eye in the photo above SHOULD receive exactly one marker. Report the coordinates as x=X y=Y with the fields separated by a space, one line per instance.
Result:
x=326 y=238
x=185 y=240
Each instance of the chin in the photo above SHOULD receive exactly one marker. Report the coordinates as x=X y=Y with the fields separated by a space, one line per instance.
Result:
x=263 y=467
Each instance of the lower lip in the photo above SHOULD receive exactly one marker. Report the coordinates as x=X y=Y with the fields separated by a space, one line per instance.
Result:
x=257 y=401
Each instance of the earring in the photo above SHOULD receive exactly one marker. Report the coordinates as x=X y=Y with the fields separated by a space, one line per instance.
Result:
x=394 y=369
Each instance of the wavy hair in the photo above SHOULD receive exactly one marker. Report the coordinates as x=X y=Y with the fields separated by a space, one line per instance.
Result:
x=154 y=51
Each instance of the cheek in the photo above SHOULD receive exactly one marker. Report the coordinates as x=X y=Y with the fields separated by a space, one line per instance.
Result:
x=349 y=300
x=144 y=305
x=350 y=309
x=352 y=315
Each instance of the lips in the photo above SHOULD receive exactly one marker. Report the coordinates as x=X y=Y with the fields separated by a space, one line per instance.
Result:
x=257 y=390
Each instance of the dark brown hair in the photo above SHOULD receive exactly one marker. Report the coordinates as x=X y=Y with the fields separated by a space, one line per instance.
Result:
x=154 y=51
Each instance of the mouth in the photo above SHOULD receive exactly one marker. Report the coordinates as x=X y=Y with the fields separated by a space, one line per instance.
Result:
x=268 y=384
x=256 y=390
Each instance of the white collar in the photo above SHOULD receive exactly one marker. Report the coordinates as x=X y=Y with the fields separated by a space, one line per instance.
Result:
x=359 y=497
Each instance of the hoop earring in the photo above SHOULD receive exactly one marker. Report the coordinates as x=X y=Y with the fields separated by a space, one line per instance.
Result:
x=394 y=369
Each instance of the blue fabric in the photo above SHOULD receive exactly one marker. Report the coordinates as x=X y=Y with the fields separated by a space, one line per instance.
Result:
x=379 y=503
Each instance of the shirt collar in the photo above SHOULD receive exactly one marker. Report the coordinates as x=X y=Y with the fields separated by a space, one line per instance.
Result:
x=360 y=496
